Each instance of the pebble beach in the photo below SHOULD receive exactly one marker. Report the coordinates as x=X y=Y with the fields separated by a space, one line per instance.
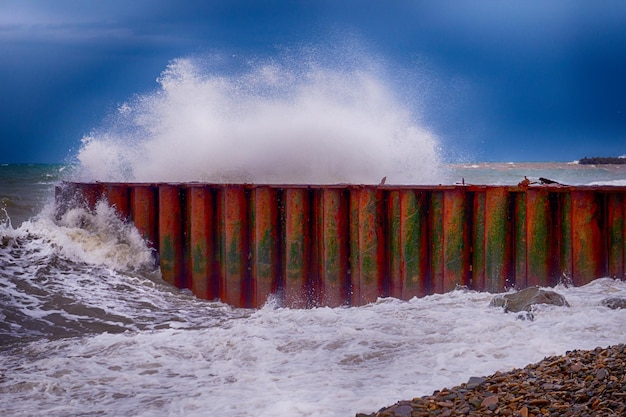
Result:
x=579 y=383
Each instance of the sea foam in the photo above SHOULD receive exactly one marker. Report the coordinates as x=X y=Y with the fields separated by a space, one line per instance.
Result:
x=268 y=123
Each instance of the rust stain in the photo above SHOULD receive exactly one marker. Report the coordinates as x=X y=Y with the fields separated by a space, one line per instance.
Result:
x=348 y=244
x=204 y=282
x=297 y=263
x=616 y=235
x=264 y=245
x=143 y=200
x=538 y=237
x=367 y=245
x=497 y=239
x=455 y=239
x=118 y=197
x=170 y=234
x=586 y=238
x=234 y=249
x=333 y=251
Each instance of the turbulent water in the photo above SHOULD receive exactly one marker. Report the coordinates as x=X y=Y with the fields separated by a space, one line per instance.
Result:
x=566 y=173
x=87 y=327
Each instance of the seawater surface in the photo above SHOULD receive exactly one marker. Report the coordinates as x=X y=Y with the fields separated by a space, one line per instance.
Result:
x=87 y=326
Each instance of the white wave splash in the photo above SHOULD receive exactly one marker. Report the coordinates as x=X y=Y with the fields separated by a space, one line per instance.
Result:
x=269 y=124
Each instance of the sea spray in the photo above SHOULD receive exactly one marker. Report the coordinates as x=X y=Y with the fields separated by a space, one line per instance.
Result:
x=269 y=123
x=97 y=237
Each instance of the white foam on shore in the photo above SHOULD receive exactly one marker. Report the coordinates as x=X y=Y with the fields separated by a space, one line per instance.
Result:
x=320 y=362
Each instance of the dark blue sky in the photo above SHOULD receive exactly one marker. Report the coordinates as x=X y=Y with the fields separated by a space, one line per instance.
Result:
x=495 y=80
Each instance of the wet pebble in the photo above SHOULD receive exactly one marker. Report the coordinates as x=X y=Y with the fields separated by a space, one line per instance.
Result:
x=579 y=383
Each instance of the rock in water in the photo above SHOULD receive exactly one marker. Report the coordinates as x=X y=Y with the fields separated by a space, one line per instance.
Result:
x=614 y=303
x=523 y=300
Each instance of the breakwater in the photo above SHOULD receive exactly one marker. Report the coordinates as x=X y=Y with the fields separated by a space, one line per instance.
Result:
x=308 y=245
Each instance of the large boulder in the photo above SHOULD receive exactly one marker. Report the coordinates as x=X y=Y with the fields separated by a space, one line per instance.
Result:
x=523 y=300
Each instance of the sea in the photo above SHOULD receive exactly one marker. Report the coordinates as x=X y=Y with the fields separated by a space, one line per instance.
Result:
x=89 y=328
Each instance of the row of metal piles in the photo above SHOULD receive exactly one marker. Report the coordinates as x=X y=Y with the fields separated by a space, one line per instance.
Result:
x=348 y=244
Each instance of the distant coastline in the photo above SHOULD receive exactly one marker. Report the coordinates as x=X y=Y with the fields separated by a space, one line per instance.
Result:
x=597 y=160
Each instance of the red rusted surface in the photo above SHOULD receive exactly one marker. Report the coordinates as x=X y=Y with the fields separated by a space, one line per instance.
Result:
x=235 y=288
x=478 y=265
x=171 y=234
x=539 y=237
x=143 y=212
x=450 y=248
x=73 y=195
x=202 y=242
x=297 y=252
x=408 y=250
x=264 y=246
x=348 y=244
x=520 y=238
x=565 y=234
x=332 y=246
x=91 y=193
x=455 y=247
x=587 y=243
x=498 y=260
x=616 y=229
x=623 y=239
x=367 y=238
x=118 y=197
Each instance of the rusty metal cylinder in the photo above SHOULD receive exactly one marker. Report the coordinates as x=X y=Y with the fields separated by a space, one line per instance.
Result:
x=202 y=246
x=616 y=235
x=234 y=272
x=587 y=244
x=265 y=247
x=297 y=250
x=144 y=212
x=539 y=234
x=408 y=251
x=332 y=238
x=367 y=245
x=118 y=197
x=171 y=234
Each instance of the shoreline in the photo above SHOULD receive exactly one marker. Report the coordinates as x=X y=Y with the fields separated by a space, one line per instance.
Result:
x=578 y=383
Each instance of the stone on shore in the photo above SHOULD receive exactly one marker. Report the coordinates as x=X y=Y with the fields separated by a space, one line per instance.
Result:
x=579 y=383
x=523 y=300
